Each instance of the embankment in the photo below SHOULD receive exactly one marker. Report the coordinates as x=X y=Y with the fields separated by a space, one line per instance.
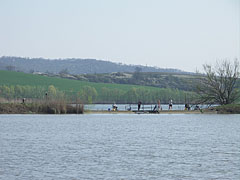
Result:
x=39 y=108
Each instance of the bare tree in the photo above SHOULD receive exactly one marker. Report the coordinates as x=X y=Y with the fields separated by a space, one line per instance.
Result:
x=219 y=83
x=64 y=71
x=137 y=73
x=11 y=68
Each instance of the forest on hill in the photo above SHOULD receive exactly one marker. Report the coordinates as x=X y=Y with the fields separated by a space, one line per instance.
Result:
x=155 y=79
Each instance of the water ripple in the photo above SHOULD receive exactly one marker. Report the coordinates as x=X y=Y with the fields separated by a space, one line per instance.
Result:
x=120 y=147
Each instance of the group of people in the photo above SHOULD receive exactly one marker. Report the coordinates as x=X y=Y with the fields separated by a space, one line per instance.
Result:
x=157 y=107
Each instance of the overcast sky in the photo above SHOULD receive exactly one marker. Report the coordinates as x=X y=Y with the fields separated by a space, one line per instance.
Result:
x=181 y=34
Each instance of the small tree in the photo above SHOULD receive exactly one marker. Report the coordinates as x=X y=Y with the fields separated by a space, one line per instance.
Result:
x=63 y=72
x=131 y=95
x=88 y=94
x=219 y=83
x=11 y=68
x=52 y=91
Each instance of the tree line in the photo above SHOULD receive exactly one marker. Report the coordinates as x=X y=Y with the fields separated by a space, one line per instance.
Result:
x=88 y=94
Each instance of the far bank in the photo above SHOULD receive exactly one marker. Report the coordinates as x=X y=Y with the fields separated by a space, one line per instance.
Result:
x=61 y=108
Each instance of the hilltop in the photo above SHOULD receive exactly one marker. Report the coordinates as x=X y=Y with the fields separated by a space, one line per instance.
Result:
x=98 y=71
x=73 y=66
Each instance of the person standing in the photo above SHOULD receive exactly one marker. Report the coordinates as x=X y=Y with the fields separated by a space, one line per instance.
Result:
x=114 y=106
x=170 y=104
x=159 y=106
x=139 y=105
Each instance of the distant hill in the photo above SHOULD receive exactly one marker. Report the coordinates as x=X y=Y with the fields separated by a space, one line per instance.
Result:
x=74 y=66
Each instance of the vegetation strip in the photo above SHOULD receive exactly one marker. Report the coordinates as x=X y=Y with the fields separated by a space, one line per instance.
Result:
x=20 y=85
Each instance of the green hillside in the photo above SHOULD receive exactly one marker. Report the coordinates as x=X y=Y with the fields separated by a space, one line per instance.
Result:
x=18 y=85
x=19 y=78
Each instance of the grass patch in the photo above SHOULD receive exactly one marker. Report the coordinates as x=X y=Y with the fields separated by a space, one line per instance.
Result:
x=67 y=85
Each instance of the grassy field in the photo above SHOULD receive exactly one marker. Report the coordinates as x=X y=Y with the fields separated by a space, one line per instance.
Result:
x=19 y=78
x=105 y=92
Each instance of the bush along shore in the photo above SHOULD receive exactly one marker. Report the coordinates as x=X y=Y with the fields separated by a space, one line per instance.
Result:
x=228 y=109
x=40 y=108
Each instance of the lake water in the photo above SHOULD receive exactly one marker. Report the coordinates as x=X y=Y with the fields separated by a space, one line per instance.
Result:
x=119 y=146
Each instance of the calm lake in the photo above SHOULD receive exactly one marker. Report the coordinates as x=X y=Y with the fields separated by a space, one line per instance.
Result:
x=120 y=146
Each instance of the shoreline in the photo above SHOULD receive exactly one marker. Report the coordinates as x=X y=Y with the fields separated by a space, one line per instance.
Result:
x=57 y=108
x=161 y=112
x=120 y=112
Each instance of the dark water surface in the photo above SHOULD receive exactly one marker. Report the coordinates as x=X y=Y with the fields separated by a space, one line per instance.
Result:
x=120 y=147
